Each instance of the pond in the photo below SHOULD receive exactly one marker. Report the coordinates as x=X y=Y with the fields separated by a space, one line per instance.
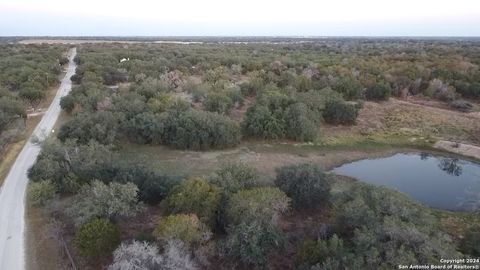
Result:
x=436 y=181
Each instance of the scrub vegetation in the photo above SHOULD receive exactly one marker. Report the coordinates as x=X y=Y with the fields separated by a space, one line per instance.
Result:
x=216 y=156
x=26 y=73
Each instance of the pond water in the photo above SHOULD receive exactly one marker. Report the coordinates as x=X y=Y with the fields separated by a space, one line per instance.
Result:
x=438 y=182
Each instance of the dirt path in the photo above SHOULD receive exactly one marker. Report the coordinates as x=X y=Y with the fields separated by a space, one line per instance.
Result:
x=12 y=193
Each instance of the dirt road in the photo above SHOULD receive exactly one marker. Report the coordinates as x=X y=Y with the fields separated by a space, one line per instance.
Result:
x=12 y=193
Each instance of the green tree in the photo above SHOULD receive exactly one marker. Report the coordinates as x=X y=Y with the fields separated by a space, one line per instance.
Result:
x=97 y=238
x=259 y=122
x=218 y=102
x=379 y=91
x=306 y=184
x=301 y=123
x=195 y=196
x=99 y=126
x=351 y=89
x=67 y=103
x=252 y=242
x=262 y=204
x=185 y=227
x=105 y=201
x=233 y=177
x=39 y=193
x=339 y=112
x=198 y=130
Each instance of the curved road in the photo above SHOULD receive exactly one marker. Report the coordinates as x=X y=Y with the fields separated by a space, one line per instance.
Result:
x=12 y=193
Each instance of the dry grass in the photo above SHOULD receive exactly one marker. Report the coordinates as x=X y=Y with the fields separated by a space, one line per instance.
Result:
x=41 y=244
x=402 y=119
x=10 y=154
x=265 y=157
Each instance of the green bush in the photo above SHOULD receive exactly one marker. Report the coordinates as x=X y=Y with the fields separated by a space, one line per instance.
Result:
x=31 y=94
x=306 y=184
x=185 y=227
x=39 y=193
x=340 y=113
x=469 y=90
x=323 y=253
x=153 y=186
x=99 y=126
x=252 y=242
x=351 y=89
x=195 y=196
x=379 y=91
x=199 y=130
x=104 y=201
x=233 y=177
x=143 y=128
x=259 y=122
x=262 y=204
x=218 y=102
x=97 y=238
x=384 y=228
x=67 y=103
x=301 y=123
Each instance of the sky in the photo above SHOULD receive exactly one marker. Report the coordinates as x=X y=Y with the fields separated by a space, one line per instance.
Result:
x=239 y=18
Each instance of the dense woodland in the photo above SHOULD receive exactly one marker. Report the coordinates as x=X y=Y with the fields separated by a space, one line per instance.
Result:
x=216 y=96
x=26 y=72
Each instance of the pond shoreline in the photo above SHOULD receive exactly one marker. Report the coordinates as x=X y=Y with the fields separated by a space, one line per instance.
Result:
x=436 y=180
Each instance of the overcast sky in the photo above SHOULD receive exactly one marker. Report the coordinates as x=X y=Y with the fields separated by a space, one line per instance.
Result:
x=241 y=17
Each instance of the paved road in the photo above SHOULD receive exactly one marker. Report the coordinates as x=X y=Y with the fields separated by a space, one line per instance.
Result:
x=12 y=193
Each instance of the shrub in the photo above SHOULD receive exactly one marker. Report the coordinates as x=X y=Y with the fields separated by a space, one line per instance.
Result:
x=152 y=186
x=306 y=184
x=379 y=91
x=67 y=103
x=319 y=252
x=151 y=87
x=145 y=256
x=177 y=256
x=199 y=130
x=99 y=126
x=252 y=242
x=31 y=94
x=301 y=123
x=233 y=177
x=97 y=238
x=136 y=255
x=39 y=193
x=187 y=228
x=263 y=204
x=471 y=242
x=105 y=201
x=252 y=87
x=259 y=122
x=340 y=113
x=469 y=90
x=143 y=128
x=76 y=78
x=69 y=166
x=195 y=196
x=218 y=102
x=350 y=88
x=383 y=228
